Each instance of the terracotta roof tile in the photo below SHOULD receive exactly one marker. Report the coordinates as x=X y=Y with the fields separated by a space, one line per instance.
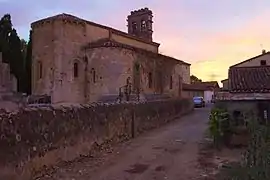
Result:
x=249 y=79
x=102 y=42
x=209 y=84
x=193 y=87
x=70 y=17
x=106 y=42
x=224 y=80
x=201 y=86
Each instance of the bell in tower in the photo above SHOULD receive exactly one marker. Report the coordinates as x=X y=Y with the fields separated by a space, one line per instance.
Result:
x=140 y=24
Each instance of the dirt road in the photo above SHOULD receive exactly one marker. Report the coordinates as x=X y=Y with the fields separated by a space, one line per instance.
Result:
x=167 y=153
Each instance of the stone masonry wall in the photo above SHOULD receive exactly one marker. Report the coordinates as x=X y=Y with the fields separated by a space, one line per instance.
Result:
x=57 y=45
x=31 y=140
x=58 y=41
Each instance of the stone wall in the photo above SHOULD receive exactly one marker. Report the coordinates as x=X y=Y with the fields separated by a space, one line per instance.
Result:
x=113 y=66
x=185 y=73
x=56 y=42
x=242 y=106
x=43 y=57
x=31 y=140
x=246 y=108
x=8 y=82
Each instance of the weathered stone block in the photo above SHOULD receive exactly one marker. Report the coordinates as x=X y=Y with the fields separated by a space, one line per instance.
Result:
x=33 y=139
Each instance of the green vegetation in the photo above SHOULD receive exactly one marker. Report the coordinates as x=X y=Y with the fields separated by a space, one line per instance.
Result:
x=194 y=79
x=219 y=126
x=257 y=156
x=255 y=163
x=17 y=53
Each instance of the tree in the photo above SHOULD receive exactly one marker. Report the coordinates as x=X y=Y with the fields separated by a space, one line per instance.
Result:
x=5 y=30
x=28 y=65
x=194 y=79
x=15 y=56
x=12 y=50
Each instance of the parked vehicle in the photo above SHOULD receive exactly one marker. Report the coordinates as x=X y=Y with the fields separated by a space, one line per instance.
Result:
x=198 y=102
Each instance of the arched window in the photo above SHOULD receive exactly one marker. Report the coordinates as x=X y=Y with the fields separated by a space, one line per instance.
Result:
x=171 y=82
x=143 y=25
x=134 y=26
x=93 y=71
x=75 y=70
x=150 y=80
x=40 y=70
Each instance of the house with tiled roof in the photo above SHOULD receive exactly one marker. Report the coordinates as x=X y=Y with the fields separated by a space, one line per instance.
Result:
x=205 y=89
x=249 y=86
x=260 y=60
x=225 y=84
x=250 y=79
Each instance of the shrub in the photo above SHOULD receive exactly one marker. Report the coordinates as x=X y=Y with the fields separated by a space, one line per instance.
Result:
x=257 y=156
x=255 y=164
x=219 y=126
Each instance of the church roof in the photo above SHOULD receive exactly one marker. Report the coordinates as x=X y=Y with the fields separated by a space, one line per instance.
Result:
x=106 y=42
x=68 y=17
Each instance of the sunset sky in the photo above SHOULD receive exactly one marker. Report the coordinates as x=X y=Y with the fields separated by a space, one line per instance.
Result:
x=211 y=35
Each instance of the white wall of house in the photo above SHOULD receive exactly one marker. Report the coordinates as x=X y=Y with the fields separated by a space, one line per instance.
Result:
x=225 y=84
x=208 y=95
x=255 y=61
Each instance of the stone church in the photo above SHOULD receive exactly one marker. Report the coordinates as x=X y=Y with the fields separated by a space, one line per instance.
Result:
x=79 y=61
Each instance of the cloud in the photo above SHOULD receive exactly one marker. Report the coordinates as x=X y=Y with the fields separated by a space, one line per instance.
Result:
x=210 y=35
x=25 y=12
x=236 y=45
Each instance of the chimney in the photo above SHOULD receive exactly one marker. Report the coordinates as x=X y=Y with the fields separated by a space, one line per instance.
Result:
x=263 y=51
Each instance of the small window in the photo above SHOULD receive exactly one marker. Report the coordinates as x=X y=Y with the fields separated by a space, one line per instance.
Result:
x=93 y=71
x=171 y=82
x=134 y=26
x=40 y=70
x=143 y=24
x=75 y=70
x=150 y=80
x=263 y=62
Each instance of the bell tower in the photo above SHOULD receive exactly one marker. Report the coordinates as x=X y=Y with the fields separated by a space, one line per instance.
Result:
x=140 y=23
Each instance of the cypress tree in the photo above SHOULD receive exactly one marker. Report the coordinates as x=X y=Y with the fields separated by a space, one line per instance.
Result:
x=28 y=64
x=12 y=48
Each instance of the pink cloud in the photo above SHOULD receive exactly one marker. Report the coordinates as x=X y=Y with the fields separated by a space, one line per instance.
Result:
x=184 y=28
x=231 y=47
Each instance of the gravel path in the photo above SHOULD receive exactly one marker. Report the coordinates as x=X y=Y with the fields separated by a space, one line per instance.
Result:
x=170 y=152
